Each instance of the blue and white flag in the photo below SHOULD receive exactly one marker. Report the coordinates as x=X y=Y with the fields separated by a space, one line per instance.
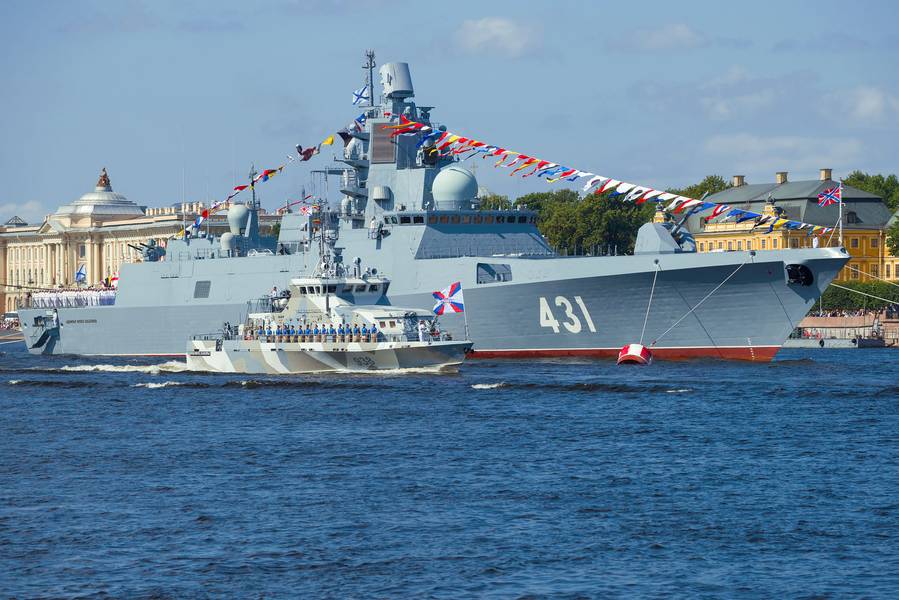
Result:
x=361 y=95
x=81 y=274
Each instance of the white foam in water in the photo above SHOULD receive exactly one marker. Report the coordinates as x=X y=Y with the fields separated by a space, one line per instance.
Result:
x=168 y=367
x=14 y=381
x=680 y=391
x=488 y=386
x=154 y=386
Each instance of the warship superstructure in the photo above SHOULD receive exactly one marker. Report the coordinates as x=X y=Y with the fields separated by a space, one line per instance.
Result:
x=410 y=211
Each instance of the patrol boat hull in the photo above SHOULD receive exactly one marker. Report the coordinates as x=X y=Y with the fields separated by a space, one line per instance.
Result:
x=270 y=358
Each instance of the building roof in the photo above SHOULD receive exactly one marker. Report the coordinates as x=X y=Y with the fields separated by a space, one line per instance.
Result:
x=799 y=201
x=16 y=222
x=102 y=203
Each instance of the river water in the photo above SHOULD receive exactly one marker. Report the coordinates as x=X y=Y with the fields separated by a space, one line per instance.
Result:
x=552 y=478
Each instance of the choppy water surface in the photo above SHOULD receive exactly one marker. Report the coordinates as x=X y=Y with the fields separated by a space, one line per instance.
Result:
x=507 y=479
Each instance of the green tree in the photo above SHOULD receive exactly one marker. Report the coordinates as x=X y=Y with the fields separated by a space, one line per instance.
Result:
x=893 y=238
x=495 y=202
x=885 y=187
x=579 y=225
x=835 y=298
x=711 y=184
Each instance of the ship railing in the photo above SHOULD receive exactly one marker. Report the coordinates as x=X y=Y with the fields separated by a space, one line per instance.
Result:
x=70 y=299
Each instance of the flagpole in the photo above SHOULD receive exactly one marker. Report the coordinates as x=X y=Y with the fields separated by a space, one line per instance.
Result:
x=841 y=213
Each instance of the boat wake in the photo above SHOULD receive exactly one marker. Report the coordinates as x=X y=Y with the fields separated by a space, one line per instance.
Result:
x=167 y=367
x=489 y=386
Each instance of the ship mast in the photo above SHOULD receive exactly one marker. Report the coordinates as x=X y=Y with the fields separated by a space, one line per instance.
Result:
x=370 y=67
x=253 y=174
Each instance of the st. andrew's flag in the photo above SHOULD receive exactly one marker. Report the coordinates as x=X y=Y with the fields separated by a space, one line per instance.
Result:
x=361 y=95
x=450 y=297
x=80 y=274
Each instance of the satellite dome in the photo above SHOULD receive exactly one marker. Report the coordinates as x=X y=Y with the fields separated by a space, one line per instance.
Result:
x=228 y=242
x=238 y=216
x=454 y=188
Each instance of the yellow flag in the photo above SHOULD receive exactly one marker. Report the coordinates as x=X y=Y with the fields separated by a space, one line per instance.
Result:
x=328 y=141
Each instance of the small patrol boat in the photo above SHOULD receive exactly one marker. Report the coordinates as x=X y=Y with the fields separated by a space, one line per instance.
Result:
x=333 y=321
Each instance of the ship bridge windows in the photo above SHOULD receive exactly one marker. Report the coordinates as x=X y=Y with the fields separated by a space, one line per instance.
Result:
x=493 y=273
x=418 y=219
x=404 y=220
x=332 y=289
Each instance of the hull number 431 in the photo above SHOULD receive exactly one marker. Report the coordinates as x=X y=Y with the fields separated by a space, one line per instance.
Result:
x=570 y=320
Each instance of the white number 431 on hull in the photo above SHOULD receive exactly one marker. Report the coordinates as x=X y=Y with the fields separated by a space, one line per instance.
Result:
x=572 y=323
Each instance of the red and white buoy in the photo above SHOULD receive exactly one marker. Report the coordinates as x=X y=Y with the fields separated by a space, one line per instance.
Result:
x=634 y=354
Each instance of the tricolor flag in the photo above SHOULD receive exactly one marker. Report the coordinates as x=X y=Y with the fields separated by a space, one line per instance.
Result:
x=450 y=297
x=831 y=196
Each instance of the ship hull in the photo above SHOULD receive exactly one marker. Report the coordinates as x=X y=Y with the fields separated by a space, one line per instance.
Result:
x=734 y=305
x=264 y=358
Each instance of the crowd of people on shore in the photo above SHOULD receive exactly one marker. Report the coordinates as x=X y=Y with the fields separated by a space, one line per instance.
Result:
x=89 y=296
x=9 y=325
x=890 y=312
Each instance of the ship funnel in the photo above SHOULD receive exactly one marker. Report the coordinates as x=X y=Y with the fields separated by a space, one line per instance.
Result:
x=238 y=216
x=396 y=80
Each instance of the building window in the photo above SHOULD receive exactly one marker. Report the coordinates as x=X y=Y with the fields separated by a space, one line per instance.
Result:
x=875 y=270
x=854 y=273
x=764 y=244
x=886 y=270
x=851 y=217
x=853 y=243
x=774 y=243
x=794 y=243
x=720 y=245
x=749 y=244
x=702 y=246
x=739 y=244
x=730 y=245
x=874 y=243
x=82 y=250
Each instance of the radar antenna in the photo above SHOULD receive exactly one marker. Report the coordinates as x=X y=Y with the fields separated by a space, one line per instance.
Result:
x=370 y=67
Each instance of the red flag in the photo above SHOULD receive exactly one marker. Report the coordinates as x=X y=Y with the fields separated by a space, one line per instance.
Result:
x=241 y=188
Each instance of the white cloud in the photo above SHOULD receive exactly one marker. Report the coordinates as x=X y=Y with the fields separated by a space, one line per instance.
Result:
x=32 y=211
x=763 y=155
x=496 y=34
x=734 y=94
x=674 y=36
x=866 y=104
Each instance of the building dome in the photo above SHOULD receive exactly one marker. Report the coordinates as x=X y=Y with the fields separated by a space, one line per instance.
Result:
x=454 y=187
x=102 y=203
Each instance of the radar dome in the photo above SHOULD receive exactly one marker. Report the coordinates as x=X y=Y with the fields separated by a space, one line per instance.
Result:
x=454 y=188
x=238 y=215
x=228 y=242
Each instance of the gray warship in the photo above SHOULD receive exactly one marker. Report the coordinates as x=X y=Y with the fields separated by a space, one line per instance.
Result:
x=414 y=214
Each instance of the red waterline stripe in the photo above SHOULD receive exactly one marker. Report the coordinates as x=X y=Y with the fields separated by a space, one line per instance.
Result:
x=753 y=353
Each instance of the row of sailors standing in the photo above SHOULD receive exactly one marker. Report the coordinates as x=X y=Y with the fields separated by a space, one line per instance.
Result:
x=315 y=333
x=72 y=298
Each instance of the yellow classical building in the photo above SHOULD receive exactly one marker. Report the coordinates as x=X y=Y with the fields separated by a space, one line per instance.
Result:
x=96 y=234
x=865 y=220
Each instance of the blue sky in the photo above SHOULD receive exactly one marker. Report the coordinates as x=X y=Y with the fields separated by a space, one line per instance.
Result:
x=178 y=98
